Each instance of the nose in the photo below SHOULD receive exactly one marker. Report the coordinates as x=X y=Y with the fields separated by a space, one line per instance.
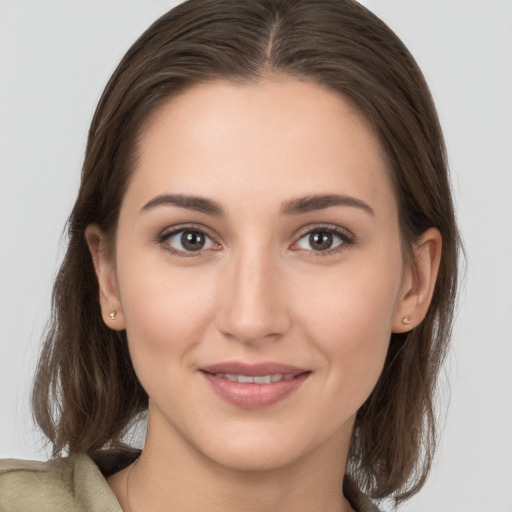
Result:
x=253 y=307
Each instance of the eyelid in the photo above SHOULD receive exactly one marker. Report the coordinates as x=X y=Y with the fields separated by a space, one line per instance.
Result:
x=335 y=228
x=169 y=231
x=347 y=237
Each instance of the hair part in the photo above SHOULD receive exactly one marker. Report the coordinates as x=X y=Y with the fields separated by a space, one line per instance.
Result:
x=86 y=393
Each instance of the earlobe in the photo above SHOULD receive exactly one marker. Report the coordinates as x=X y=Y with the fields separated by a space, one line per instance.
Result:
x=105 y=273
x=419 y=282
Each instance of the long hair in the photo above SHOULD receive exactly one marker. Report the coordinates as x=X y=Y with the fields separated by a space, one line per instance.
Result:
x=86 y=392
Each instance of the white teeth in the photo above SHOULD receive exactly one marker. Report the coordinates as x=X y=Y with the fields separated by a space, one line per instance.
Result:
x=263 y=379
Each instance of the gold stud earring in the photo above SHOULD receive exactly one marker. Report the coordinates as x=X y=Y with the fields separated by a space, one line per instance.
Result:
x=407 y=319
x=113 y=315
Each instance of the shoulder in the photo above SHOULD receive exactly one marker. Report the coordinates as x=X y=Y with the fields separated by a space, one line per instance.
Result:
x=27 y=486
x=73 y=484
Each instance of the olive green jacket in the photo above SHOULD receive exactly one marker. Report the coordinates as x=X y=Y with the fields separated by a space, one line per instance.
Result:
x=75 y=484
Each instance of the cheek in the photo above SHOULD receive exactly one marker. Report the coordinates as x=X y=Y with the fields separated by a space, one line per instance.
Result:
x=166 y=314
x=347 y=301
x=349 y=316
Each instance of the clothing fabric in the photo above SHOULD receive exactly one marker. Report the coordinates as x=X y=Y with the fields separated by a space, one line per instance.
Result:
x=72 y=484
x=76 y=484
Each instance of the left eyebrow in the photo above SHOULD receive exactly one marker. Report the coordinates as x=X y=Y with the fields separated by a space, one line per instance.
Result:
x=320 y=202
x=196 y=203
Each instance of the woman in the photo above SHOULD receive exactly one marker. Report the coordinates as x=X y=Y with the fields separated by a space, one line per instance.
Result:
x=263 y=257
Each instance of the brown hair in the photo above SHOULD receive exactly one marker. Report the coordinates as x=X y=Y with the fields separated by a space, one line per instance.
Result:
x=86 y=393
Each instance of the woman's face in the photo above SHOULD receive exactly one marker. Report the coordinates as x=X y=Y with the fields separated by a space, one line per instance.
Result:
x=258 y=241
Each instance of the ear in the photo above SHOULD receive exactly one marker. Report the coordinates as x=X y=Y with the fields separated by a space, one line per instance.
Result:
x=110 y=301
x=418 y=282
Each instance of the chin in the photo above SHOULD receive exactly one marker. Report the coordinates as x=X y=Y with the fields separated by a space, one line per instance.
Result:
x=255 y=458
x=267 y=447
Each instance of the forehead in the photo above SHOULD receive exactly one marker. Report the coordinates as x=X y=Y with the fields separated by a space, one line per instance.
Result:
x=260 y=139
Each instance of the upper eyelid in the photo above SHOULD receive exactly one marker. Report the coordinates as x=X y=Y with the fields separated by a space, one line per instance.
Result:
x=171 y=230
x=327 y=227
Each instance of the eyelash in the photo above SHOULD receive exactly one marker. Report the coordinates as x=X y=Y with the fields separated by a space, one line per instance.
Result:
x=347 y=240
x=163 y=238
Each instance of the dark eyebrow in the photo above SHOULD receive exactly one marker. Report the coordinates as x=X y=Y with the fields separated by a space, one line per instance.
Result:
x=196 y=203
x=319 y=202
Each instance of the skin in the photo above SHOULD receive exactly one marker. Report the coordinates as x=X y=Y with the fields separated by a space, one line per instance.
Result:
x=257 y=291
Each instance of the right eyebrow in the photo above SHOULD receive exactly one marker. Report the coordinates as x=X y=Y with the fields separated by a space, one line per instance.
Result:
x=319 y=202
x=196 y=203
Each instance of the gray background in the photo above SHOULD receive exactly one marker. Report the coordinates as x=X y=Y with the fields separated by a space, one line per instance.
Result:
x=55 y=58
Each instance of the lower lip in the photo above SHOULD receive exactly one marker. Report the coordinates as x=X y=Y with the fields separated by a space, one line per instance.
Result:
x=254 y=396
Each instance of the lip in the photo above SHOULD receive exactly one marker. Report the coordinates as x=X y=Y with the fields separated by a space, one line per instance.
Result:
x=252 y=370
x=253 y=395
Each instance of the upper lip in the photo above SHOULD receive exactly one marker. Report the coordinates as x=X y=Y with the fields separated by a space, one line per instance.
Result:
x=252 y=370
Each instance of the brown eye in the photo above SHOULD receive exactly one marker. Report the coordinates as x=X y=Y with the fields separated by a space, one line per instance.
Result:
x=193 y=240
x=320 y=240
x=324 y=240
x=189 y=240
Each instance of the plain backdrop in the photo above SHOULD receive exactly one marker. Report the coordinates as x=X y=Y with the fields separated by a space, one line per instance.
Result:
x=55 y=58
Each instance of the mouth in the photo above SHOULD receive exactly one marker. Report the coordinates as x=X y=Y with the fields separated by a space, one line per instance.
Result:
x=254 y=386
x=260 y=379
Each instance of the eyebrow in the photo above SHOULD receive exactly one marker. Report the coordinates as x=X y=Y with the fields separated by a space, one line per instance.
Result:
x=196 y=203
x=320 y=202
x=296 y=206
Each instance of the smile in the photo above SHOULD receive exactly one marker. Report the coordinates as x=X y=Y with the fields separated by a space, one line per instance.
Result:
x=250 y=386
x=248 y=379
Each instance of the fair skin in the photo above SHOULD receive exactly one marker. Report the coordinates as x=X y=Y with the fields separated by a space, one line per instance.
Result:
x=259 y=273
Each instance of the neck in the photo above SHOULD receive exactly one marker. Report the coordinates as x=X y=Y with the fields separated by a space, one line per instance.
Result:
x=173 y=476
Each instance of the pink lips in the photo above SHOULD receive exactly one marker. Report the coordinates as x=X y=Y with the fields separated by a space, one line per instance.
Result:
x=273 y=382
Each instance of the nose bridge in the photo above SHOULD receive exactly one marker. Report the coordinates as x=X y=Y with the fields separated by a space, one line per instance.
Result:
x=252 y=307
